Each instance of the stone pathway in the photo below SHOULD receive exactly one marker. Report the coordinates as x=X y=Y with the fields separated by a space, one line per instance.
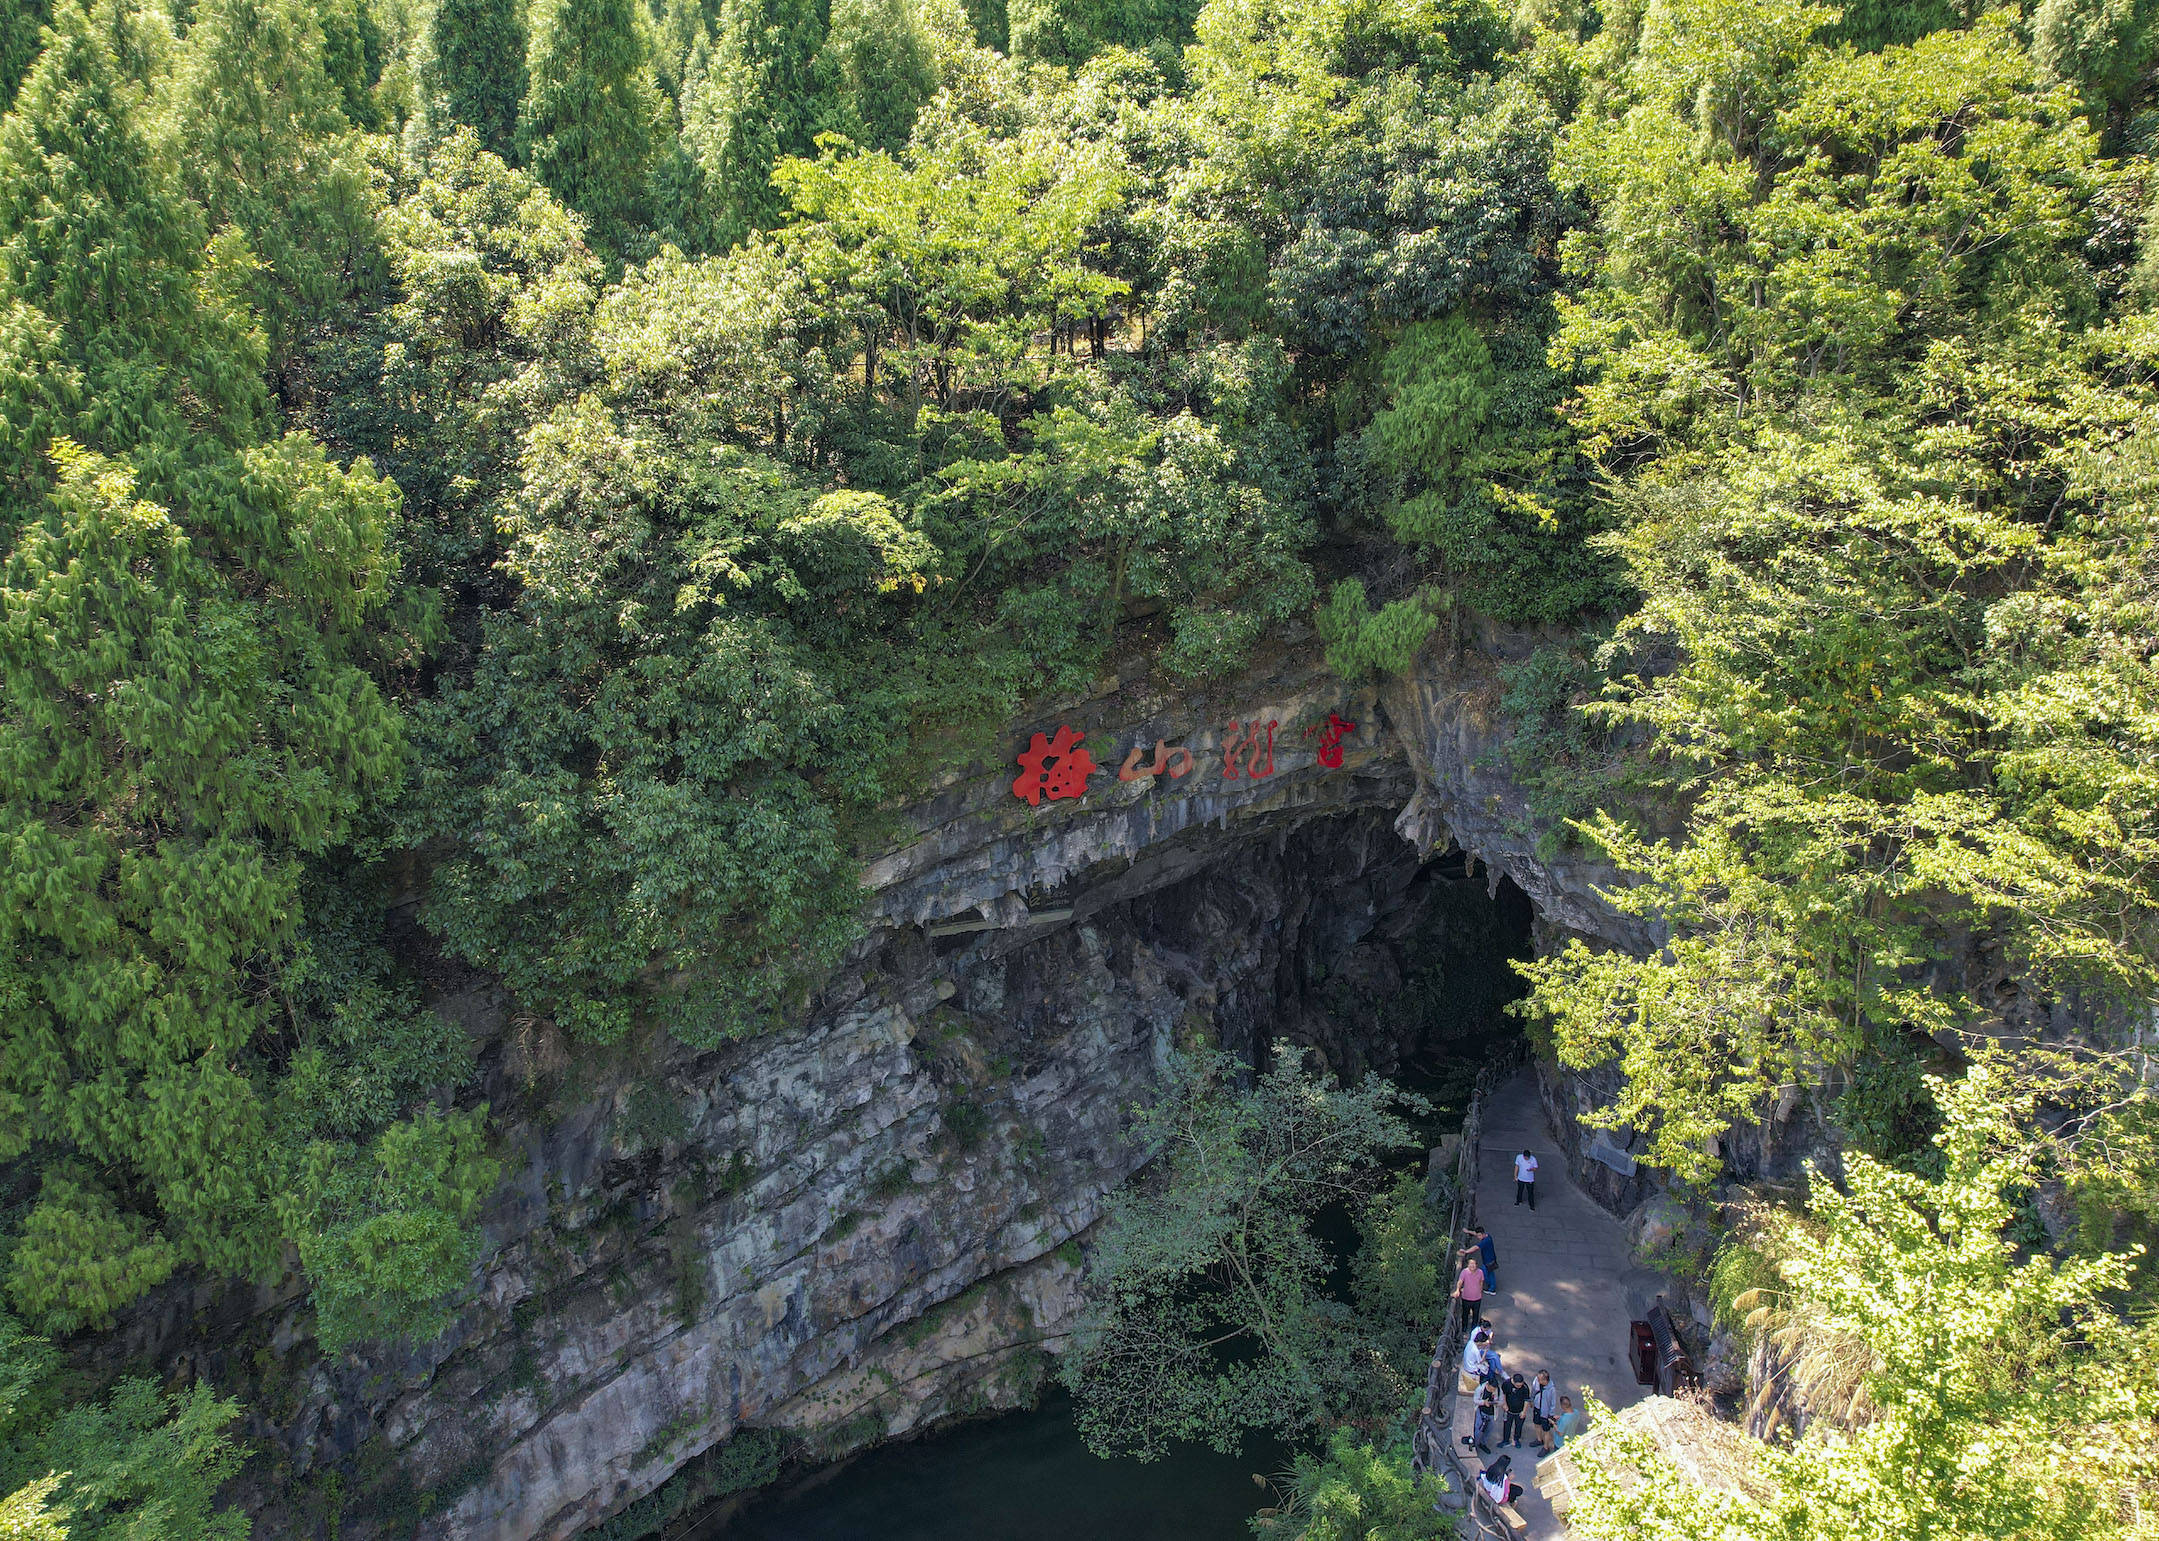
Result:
x=1568 y=1284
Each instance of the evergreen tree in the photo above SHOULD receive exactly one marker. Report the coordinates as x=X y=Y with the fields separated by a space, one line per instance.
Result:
x=747 y=101
x=123 y=334
x=876 y=70
x=353 y=56
x=265 y=148
x=592 y=116
x=475 y=67
x=183 y=716
x=20 y=23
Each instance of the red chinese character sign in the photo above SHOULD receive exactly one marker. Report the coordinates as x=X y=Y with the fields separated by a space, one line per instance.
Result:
x=1055 y=766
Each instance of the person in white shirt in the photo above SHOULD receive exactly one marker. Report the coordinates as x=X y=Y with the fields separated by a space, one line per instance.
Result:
x=1497 y=1483
x=1525 y=1179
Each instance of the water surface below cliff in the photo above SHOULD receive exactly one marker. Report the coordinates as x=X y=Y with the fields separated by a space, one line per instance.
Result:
x=1022 y=1477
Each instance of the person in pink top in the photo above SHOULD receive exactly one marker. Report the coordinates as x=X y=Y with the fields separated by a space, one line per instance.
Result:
x=1469 y=1285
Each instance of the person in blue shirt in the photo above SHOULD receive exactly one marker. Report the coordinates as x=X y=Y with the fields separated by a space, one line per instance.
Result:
x=1569 y=1424
x=1481 y=1239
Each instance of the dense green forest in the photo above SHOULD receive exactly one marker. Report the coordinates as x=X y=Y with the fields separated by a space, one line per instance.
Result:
x=613 y=448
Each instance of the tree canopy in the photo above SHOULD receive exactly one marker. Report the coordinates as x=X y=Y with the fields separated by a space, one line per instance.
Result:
x=576 y=468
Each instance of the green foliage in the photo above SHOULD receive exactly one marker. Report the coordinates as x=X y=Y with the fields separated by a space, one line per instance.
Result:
x=122 y=331
x=1400 y=1280
x=20 y=23
x=878 y=68
x=1741 y=1276
x=1358 y=1491
x=1207 y=1315
x=188 y=615
x=1857 y=548
x=747 y=1459
x=269 y=155
x=590 y=121
x=475 y=67
x=1362 y=641
x=354 y=53
x=79 y=1257
x=1885 y=1109
x=1562 y=759
x=1070 y=32
x=1486 y=472
x=484 y=326
x=749 y=98
x=2103 y=47
x=138 y=1463
x=386 y=1247
x=1999 y=1392
x=237 y=736
x=694 y=833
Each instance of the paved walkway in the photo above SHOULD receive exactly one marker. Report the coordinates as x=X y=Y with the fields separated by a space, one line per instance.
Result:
x=1568 y=1284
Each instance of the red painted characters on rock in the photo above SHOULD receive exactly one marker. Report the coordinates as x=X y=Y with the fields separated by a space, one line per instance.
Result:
x=1245 y=738
x=1177 y=762
x=1056 y=767
x=1330 y=742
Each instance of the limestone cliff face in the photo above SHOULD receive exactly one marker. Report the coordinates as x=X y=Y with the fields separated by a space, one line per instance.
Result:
x=875 y=1218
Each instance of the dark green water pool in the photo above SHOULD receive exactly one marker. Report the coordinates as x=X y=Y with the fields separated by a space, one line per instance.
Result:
x=1023 y=1477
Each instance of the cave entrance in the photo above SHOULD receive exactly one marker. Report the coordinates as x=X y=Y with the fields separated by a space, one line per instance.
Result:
x=1333 y=933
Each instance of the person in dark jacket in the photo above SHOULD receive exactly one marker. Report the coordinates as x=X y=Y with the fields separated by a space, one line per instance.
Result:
x=1517 y=1394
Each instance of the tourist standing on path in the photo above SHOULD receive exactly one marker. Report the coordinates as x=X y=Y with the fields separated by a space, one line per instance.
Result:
x=1569 y=1424
x=1470 y=1286
x=1525 y=1179
x=1517 y=1397
x=1487 y=1254
x=1487 y=1409
x=1544 y=1408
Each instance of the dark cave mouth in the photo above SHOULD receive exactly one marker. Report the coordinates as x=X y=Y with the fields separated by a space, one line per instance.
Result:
x=1329 y=930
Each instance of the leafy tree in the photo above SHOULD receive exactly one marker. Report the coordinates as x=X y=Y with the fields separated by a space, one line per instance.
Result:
x=1358 y=1491
x=2104 y=47
x=1400 y=1279
x=1999 y=1393
x=1487 y=473
x=591 y=115
x=655 y=643
x=1856 y=549
x=138 y=1463
x=1208 y=1315
x=486 y=325
x=117 y=294
x=354 y=53
x=188 y=616
x=1070 y=32
x=232 y=727
x=388 y=1241
x=1362 y=641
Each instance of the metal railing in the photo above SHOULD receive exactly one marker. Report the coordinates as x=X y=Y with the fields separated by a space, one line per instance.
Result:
x=1433 y=1448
